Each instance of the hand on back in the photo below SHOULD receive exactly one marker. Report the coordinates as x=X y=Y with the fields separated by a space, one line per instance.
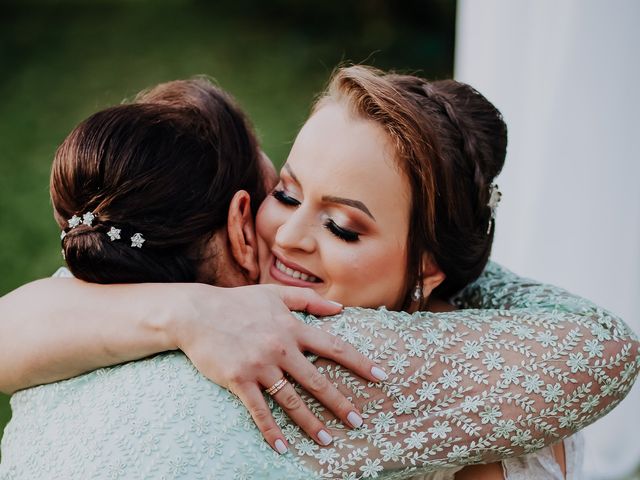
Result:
x=249 y=352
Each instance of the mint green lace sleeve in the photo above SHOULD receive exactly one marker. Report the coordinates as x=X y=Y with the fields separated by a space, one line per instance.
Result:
x=522 y=366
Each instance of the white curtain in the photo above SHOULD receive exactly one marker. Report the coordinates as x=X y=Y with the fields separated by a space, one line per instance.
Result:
x=566 y=76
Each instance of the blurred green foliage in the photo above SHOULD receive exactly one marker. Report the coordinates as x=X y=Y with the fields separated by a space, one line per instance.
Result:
x=63 y=60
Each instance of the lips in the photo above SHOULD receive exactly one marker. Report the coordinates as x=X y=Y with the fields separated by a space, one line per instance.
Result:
x=292 y=274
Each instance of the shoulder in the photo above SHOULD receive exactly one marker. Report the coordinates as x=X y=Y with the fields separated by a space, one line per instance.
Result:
x=152 y=418
x=160 y=375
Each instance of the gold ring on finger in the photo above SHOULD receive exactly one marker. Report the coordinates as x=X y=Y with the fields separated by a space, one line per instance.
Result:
x=276 y=387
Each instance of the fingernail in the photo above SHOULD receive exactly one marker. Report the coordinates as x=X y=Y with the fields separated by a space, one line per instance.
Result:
x=355 y=419
x=324 y=437
x=379 y=373
x=281 y=448
x=336 y=303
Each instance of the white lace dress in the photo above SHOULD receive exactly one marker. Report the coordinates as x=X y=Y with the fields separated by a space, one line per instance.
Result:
x=527 y=366
x=542 y=465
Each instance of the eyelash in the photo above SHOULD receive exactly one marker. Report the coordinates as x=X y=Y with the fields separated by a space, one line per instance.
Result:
x=340 y=232
x=284 y=198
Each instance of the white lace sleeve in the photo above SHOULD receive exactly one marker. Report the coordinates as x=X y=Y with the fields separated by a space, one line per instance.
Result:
x=473 y=385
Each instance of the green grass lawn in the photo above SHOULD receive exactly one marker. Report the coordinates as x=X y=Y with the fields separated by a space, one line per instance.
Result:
x=62 y=61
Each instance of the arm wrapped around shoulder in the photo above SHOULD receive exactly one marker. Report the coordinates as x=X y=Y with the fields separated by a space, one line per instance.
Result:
x=475 y=385
x=465 y=387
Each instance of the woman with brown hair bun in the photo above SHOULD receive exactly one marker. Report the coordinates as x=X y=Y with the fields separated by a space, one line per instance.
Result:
x=165 y=170
x=386 y=200
x=130 y=179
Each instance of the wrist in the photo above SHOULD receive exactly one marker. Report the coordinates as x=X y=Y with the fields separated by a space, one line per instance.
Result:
x=165 y=321
x=182 y=312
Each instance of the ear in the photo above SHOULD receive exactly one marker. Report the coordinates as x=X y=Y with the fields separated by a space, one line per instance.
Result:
x=242 y=236
x=432 y=276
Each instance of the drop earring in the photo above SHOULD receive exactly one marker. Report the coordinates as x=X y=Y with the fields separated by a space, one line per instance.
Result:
x=417 y=293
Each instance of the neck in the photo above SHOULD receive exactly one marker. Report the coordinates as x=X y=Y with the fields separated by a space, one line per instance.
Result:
x=437 y=305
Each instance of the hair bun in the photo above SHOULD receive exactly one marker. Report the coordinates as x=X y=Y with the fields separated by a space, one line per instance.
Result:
x=93 y=256
x=166 y=166
x=481 y=126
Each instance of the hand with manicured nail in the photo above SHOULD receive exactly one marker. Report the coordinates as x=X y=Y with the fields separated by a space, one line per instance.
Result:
x=265 y=350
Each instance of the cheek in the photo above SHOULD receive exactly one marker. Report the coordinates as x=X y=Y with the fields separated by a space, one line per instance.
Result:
x=371 y=276
x=386 y=266
x=268 y=220
x=262 y=225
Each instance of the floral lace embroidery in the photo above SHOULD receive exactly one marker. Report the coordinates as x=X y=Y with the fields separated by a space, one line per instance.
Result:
x=466 y=386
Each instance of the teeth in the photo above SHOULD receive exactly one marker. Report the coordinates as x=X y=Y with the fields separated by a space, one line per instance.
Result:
x=294 y=273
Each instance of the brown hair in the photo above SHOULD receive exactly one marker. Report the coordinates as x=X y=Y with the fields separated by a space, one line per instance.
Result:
x=450 y=141
x=166 y=167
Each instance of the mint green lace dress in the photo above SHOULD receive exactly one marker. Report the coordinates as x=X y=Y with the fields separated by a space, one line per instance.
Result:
x=520 y=367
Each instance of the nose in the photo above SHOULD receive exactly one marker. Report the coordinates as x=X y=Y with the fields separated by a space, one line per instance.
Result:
x=296 y=233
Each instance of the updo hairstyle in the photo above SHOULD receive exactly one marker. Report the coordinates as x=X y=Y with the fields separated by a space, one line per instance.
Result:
x=166 y=167
x=450 y=142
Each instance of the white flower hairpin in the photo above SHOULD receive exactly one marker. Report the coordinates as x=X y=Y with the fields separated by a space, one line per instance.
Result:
x=114 y=233
x=494 y=199
x=137 y=240
x=74 y=221
x=88 y=218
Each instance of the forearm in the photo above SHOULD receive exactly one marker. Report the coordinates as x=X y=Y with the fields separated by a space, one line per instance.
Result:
x=56 y=328
x=481 y=385
x=474 y=386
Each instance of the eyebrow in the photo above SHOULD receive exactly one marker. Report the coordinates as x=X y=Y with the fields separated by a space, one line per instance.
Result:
x=329 y=198
x=349 y=202
x=293 y=175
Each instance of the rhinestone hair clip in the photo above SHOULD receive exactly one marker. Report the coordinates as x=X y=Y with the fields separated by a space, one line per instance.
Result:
x=114 y=233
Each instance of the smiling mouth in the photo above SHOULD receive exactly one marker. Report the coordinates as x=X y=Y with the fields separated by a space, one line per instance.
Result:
x=295 y=274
